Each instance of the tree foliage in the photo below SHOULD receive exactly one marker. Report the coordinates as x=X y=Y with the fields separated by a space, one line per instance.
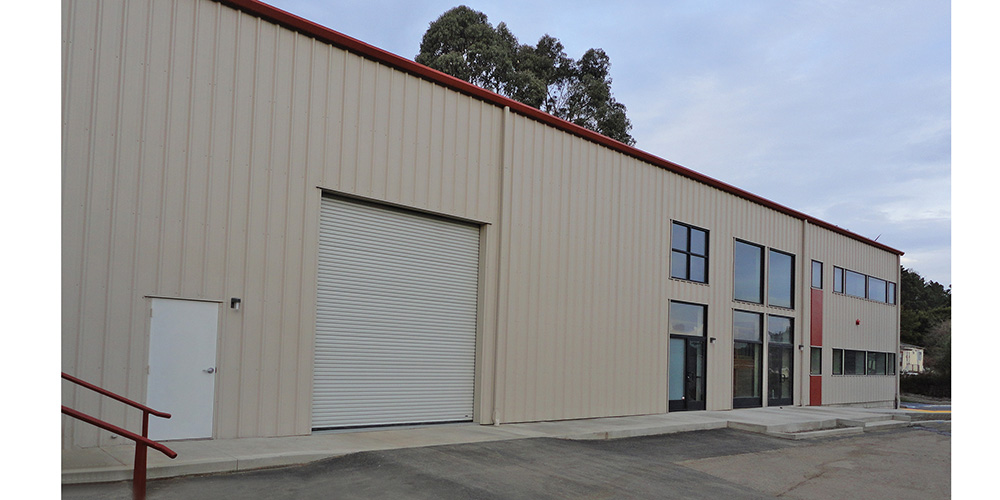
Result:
x=925 y=318
x=463 y=43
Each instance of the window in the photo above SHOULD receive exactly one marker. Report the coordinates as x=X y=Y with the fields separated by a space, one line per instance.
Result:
x=747 y=358
x=687 y=319
x=780 y=279
x=863 y=286
x=748 y=263
x=779 y=329
x=817 y=274
x=847 y=362
x=854 y=362
x=876 y=289
x=689 y=253
x=816 y=361
x=876 y=363
x=838 y=280
x=854 y=284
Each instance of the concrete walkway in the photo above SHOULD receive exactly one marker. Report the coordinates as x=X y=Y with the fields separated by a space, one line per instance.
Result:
x=114 y=463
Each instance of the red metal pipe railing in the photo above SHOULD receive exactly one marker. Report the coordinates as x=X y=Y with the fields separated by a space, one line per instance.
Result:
x=142 y=442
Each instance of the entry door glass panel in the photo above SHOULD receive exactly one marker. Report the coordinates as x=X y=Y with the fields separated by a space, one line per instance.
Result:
x=779 y=379
x=676 y=381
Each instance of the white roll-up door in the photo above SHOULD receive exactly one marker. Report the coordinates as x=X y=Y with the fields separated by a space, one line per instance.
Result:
x=395 y=317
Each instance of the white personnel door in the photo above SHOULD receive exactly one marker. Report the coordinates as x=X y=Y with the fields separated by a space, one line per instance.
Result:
x=182 y=343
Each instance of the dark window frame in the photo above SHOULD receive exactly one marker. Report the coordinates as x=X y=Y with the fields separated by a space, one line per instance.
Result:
x=760 y=278
x=791 y=277
x=687 y=252
x=815 y=361
x=816 y=280
x=838 y=279
x=704 y=318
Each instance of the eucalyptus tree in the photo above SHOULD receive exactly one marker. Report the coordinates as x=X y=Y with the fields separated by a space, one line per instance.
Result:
x=463 y=43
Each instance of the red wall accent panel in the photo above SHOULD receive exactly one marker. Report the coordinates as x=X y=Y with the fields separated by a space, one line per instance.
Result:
x=815 y=390
x=816 y=318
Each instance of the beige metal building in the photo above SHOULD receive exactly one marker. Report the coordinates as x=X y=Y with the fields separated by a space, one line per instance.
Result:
x=271 y=228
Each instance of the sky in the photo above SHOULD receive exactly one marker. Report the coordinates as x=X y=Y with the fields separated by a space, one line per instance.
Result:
x=838 y=109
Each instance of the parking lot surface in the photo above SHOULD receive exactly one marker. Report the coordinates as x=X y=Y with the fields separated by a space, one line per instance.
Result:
x=912 y=462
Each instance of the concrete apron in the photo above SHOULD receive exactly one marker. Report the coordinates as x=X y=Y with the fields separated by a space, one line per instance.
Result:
x=114 y=463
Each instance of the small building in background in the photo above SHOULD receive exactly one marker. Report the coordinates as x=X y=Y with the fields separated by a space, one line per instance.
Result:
x=911 y=359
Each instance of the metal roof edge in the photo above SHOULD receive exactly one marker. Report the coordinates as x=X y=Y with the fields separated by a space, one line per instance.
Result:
x=319 y=32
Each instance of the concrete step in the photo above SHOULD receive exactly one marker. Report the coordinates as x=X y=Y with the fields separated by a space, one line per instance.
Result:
x=885 y=424
x=822 y=433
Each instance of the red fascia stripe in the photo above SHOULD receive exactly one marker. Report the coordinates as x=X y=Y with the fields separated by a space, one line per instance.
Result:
x=326 y=35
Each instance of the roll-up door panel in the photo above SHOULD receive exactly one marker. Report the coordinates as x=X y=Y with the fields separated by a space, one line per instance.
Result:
x=395 y=317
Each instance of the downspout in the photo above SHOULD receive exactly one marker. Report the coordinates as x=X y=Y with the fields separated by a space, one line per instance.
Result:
x=806 y=309
x=505 y=169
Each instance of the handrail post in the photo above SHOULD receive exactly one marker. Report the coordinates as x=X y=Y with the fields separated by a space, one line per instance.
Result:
x=139 y=470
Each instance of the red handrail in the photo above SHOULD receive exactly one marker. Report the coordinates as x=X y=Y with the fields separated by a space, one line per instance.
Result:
x=141 y=441
x=110 y=394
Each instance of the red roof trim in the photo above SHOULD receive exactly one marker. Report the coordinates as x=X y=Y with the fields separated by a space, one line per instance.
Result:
x=324 y=34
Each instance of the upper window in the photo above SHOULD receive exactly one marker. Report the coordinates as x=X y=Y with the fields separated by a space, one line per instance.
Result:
x=780 y=279
x=863 y=286
x=748 y=272
x=838 y=280
x=689 y=253
x=876 y=289
x=854 y=284
x=687 y=319
x=817 y=274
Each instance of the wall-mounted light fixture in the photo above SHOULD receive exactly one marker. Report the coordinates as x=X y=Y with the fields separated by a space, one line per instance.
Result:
x=234 y=303
x=711 y=340
x=801 y=347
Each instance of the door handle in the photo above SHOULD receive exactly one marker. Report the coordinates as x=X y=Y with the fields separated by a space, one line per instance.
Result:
x=209 y=370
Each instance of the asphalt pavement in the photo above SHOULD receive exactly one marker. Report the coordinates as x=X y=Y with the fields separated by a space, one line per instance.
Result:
x=899 y=462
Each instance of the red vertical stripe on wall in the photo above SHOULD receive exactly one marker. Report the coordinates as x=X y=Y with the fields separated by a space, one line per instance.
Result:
x=816 y=318
x=815 y=390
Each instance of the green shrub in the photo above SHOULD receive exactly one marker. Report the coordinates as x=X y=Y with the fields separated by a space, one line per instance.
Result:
x=934 y=385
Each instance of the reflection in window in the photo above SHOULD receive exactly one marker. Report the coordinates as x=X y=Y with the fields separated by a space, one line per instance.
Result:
x=838 y=361
x=689 y=254
x=816 y=361
x=747 y=326
x=748 y=263
x=854 y=284
x=876 y=289
x=746 y=370
x=780 y=279
x=687 y=319
x=779 y=329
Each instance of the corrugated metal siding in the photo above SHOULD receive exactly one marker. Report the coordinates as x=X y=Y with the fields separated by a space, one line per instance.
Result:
x=194 y=140
x=197 y=140
x=879 y=323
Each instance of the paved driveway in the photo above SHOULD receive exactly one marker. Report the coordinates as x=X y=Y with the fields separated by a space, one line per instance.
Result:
x=909 y=462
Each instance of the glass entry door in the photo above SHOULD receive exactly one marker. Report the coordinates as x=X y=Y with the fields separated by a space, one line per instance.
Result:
x=687 y=374
x=780 y=352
